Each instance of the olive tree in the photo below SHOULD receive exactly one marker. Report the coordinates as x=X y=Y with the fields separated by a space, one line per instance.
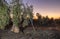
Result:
x=15 y=14
x=4 y=16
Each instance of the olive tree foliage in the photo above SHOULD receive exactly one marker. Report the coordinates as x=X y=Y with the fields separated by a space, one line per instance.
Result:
x=27 y=15
x=16 y=11
x=4 y=16
x=21 y=11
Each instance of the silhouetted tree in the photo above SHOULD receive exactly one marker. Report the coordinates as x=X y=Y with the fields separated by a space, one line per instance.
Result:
x=57 y=21
x=45 y=21
x=52 y=22
x=39 y=20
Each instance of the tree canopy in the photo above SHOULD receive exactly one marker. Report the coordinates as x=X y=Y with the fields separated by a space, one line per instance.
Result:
x=4 y=17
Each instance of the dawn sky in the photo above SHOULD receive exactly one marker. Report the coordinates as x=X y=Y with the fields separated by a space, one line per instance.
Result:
x=45 y=7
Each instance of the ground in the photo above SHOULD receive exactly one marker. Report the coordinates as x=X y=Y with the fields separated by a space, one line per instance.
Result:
x=30 y=34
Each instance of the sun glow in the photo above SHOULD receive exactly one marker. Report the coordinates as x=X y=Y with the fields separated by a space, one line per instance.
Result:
x=35 y=17
x=50 y=16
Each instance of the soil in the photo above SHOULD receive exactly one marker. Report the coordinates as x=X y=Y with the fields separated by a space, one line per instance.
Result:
x=40 y=33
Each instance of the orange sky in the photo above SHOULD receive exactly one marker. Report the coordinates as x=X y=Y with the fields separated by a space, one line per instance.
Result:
x=55 y=17
x=49 y=14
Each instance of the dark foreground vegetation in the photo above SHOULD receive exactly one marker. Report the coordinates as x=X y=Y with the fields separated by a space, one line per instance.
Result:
x=30 y=34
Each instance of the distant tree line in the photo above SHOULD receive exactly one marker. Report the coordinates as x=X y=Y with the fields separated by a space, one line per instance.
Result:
x=46 y=21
